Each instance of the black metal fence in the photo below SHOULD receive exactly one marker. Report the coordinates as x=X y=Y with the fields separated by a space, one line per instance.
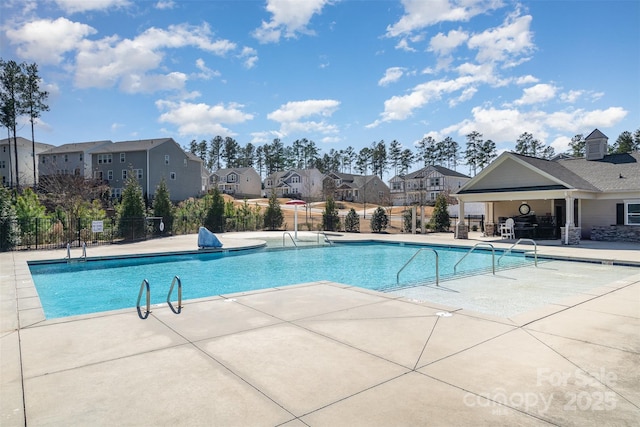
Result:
x=54 y=233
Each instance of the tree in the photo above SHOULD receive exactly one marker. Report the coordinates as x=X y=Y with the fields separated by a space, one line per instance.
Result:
x=352 y=222
x=440 y=220
x=624 y=143
x=131 y=213
x=215 y=152
x=379 y=220
x=426 y=151
x=214 y=221
x=230 y=152
x=527 y=145
x=452 y=152
x=8 y=233
x=486 y=153
x=395 y=155
x=32 y=103
x=577 y=146
x=10 y=84
x=330 y=218
x=406 y=160
x=162 y=206
x=472 y=154
x=273 y=217
x=379 y=162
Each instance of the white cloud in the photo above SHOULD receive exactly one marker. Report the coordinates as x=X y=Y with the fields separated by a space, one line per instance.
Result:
x=106 y=62
x=292 y=114
x=391 y=75
x=250 y=56
x=525 y=80
x=572 y=96
x=201 y=119
x=420 y=13
x=443 y=44
x=506 y=43
x=72 y=6
x=578 y=120
x=165 y=4
x=289 y=17
x=536 y=94
x=205 y=72
x=46 y=41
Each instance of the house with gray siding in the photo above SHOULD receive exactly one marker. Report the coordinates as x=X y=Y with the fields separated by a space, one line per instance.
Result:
x=357 y=188
x=69 y=159
x=150 y=161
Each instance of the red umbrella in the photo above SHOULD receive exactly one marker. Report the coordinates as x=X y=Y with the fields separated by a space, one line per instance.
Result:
x=295 y=204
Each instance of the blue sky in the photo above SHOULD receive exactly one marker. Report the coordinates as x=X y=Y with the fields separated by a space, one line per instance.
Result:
x=340 y=73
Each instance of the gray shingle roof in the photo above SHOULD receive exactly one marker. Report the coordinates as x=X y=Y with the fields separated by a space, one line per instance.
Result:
x=558 y=171
x=615 y=172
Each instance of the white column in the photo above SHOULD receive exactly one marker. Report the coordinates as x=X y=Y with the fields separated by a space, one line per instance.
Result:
x=569 y=217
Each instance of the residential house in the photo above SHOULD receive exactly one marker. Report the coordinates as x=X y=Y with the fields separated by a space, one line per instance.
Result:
x=596 y=196
x=303 y=184
x=151 y=160
x=25 y=161
x=357 y=188
x=240 y=182
x=424 y=185
x=69 y=159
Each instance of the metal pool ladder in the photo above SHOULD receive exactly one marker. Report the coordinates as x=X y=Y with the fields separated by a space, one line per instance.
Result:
x=292 y=239
x=144 y=286
x=412 y=258
x=173 y=282
x=535 y=250
x=83 y=257
x=493 y=256
x=325 y=238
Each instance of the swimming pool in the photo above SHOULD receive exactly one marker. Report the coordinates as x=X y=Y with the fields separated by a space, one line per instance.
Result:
x=67 y=289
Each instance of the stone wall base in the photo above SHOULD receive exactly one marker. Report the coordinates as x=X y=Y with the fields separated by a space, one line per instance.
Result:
x=616 y=233
x=462 y=231
x=490 y=229
x=574 y=235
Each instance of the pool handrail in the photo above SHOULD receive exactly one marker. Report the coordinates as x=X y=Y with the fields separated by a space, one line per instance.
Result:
x=143 y=285
x=325 y=238
x=535 y=250
x=173 y=282
x=493 y=256
x=412 y=258
x=292 y=239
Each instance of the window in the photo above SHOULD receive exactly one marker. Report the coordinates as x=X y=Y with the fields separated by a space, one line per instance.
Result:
x=632 y=212
x=166 y=159
x=44 y=159
x=295 y=179
x=2 y=164
x=122 y=157
x=80 y=157
x=231 y=177
x=109 y=175
x=185 y=162
x=53 y=158
x=124 y=174
x=97 y=175
x=396 y=185
x=434 y=181
x=102 y=158
x=172 y=176
x=269 y=183
x=116 y=192
x=138 y=173
x=66 y=158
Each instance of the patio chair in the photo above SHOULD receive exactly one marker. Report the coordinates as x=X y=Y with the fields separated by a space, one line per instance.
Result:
x=506 y=229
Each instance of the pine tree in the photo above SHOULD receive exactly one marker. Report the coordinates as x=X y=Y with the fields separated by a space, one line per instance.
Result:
x=330 y=218
x=214 y=221
x=379 y=220
x=352 y=222
x=162 y=206
x=440 y=220
x=131 y=212
x=273 y=217
x=8 y=232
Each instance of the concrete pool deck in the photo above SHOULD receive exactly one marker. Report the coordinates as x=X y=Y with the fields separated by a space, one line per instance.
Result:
x=322 y=354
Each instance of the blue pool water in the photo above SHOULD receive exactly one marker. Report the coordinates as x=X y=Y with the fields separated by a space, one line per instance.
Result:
x=102 y=285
